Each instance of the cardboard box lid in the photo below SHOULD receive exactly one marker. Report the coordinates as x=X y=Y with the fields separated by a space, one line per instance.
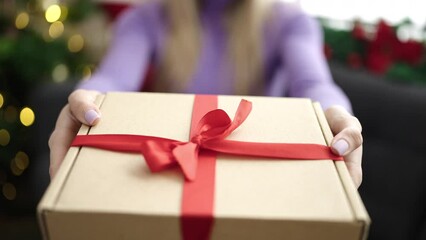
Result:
x=94 y=180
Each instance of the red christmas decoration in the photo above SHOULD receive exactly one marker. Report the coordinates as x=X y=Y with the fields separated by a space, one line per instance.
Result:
x=114 y=9
x=380 y=52
x=410 y=52
x=358 y=31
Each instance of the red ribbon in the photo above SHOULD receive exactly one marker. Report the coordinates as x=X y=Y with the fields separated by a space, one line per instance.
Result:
x=209 y=128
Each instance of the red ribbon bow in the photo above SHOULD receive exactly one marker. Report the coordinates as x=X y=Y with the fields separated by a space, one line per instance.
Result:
x=210 y=130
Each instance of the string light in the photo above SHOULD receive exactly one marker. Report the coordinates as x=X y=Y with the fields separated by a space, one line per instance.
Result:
x=75 y=43
x=87 y=72
x=14 y=169
x=53 y=13
x=47 y=3
x=27 y=116
x=4 y=137
x=1 y=100
x=19 y=163
x=9 y=191
x=22 y=20
x=60 y=73
x=21 y=160
x=64 y=13
x=56 y=29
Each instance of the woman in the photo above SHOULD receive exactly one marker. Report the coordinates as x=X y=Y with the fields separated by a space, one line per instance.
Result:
x=216 y=47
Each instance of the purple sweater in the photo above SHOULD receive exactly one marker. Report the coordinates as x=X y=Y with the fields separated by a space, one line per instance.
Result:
x=292 y=54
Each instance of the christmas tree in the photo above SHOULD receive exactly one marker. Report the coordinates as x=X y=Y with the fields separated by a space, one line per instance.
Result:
x=39 y=43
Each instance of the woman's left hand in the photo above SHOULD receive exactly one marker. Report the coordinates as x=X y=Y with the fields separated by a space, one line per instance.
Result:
x=347 y=141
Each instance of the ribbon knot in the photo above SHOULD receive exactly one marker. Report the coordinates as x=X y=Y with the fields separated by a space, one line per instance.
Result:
x=198 y=139
x=215 y=126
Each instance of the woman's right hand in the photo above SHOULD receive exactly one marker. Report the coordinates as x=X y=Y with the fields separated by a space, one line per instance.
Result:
x=81 y=109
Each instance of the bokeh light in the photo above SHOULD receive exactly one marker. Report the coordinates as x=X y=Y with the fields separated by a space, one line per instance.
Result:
x=47 y=3
x=64 y=13
x=19 y=163
x=1 y=100
x=9 y=191
x=4 y=137
x=75 y=43
x=22 y=160
x=22 y=20
x=27 y=116
x=53 y=13
x=56 y=29
x=10 y=114
x=14 y=169
x=60 y=73
x=87 y=72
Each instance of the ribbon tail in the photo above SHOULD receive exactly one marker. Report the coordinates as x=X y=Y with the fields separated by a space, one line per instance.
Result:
x=114 y=142
x=186 y=156
x=303 y=151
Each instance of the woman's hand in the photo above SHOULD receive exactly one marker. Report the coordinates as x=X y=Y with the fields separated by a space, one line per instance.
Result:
x=80 y=109
x=347 y=141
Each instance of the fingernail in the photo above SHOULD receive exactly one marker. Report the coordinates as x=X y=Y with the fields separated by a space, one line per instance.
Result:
x=91 y=116
x=341 y=146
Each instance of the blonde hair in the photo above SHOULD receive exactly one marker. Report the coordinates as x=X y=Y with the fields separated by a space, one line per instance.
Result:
x=243 y=22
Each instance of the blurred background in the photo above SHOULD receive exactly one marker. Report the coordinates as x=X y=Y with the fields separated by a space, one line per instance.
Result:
x=376 y=52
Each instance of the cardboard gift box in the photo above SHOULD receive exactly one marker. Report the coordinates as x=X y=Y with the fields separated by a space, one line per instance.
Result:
x=105 y=194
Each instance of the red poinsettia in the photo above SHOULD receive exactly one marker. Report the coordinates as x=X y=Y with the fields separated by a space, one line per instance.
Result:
x=381 y=49
x=358 y=32
x=385 y=48
x=410 y=52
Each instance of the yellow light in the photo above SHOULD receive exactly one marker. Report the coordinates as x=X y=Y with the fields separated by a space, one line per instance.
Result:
x=87 y=72
x=10 y=114
x=64 y=13
x=27 y=116
x=22 y=160
x=60 y=73
x=9 y=191
x=1 y=100
x=4 y=137
x=15 y=170
x=53 y=13
x=75 y=43
x=22 y=20
x=47 y=3
x=56 y=29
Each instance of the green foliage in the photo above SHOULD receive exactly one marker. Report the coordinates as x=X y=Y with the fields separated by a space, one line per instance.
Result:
x=340 y=41
x=80 y=9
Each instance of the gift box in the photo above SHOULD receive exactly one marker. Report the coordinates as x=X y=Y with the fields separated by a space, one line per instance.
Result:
x=151 y=173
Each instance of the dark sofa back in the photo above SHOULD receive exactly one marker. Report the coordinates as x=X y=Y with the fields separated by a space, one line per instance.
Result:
x=394 y=161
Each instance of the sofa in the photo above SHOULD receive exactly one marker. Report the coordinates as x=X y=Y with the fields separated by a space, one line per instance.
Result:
x=393 y=116
x=394 y=127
